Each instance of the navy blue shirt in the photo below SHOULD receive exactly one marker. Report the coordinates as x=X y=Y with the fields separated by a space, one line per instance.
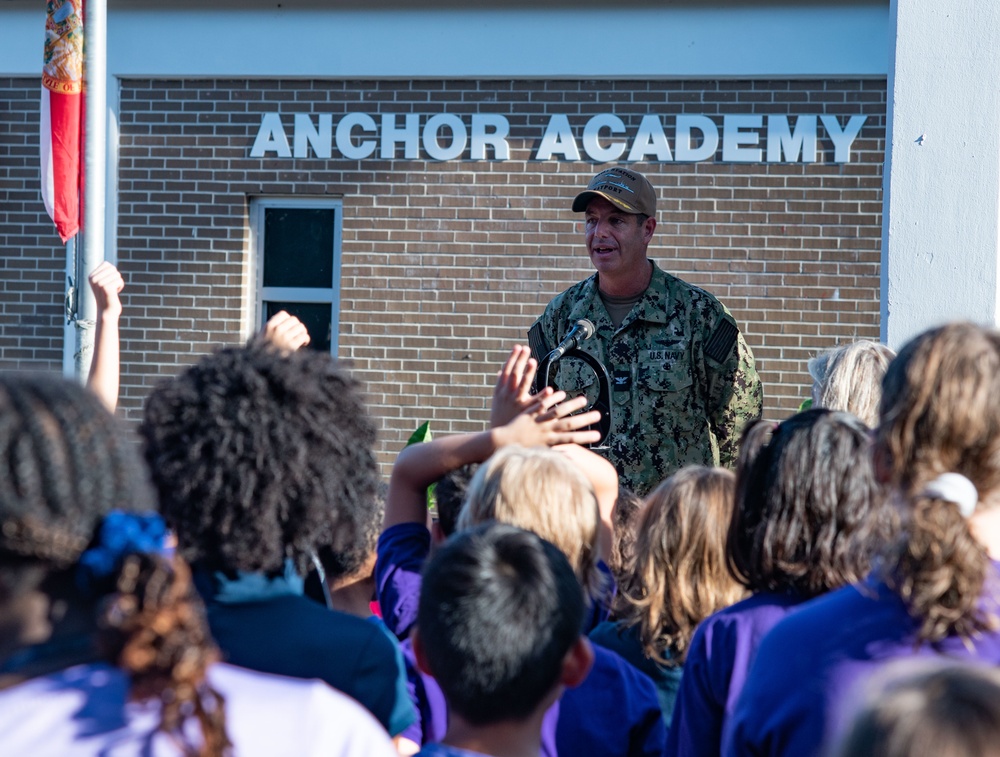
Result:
x=626 y=642
x=267 y=624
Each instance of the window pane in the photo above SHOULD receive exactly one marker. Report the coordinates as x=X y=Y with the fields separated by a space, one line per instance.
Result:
x=315 y=317
x=298 y=247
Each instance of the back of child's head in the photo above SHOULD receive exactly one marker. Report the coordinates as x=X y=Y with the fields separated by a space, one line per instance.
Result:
x=919 y=708
x=939 y=411
x=809 y=514
x=624 y=523
x=260 y=456
x=70 y=473
x=499 y=610
x=449 y=494
x=849 y=378
x=66 y=464
x=940 y=414
x=542 y=491
x=348 y=559
x=680 y=576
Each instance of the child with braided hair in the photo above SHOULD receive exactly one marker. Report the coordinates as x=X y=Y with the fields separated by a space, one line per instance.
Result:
x=103 y=643
x=935 y=591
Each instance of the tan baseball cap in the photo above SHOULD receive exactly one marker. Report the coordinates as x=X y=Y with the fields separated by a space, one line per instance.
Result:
x=624 y=188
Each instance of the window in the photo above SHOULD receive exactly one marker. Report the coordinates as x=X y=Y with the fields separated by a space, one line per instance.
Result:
x=297 y=244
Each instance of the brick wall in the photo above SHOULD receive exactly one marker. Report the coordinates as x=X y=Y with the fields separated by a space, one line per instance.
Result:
x=445 y=265
x=32 y=259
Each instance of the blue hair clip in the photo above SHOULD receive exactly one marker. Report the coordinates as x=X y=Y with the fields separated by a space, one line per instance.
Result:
x=120 y=534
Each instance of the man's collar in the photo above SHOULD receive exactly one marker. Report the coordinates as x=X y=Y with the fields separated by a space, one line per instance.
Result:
x=651 y=307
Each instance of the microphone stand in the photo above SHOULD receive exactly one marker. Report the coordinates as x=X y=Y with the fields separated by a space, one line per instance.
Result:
x=603 y=401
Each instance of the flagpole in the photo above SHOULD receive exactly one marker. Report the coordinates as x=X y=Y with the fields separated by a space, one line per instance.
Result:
x=69 y=327
x=95 y=159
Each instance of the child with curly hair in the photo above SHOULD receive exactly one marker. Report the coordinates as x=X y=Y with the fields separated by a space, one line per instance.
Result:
x=261 y=457
x=935 y=590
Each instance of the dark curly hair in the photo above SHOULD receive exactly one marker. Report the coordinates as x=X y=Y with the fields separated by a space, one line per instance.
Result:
x=499 y=610
x=347 y=560
x=449 y=492
x=260 y=456
x=809 y=515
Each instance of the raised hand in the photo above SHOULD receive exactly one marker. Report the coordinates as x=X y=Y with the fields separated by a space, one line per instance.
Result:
x=512 y=391
x=286 y=332
x=549 y=421
x=106 y=283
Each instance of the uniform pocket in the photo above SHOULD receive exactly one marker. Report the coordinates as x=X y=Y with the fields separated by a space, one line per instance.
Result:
x=656 y=378
x=666 y=397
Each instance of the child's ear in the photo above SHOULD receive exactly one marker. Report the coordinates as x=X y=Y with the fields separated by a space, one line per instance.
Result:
x=577 y=662
x=418 y=652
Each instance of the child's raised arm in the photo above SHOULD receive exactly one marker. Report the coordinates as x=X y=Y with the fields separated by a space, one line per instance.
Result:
x=106 y=282
x=604 y=478
x=546 y=422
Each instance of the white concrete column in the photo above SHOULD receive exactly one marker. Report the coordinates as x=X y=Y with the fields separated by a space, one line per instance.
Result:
x=941 y=205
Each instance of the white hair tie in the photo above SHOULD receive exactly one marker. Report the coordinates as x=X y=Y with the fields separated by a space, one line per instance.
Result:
x=956 y=488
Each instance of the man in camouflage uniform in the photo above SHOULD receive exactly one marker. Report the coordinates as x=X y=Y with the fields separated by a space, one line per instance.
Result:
x=683 y=379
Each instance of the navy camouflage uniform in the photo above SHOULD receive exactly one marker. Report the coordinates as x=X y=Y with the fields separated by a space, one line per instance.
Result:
x=683 y=379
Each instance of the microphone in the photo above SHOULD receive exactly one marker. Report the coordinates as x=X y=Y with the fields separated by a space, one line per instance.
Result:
x=582 y=331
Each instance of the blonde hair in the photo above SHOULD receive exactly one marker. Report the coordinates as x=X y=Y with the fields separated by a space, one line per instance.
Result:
x=542 y=491
x=849 y=378
x=940 y=414
x=680 y=575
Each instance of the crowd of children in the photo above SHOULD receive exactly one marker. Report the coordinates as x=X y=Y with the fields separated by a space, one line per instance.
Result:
x=251 y=587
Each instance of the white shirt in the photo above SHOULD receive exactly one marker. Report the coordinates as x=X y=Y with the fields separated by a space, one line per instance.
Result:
x=83 y=711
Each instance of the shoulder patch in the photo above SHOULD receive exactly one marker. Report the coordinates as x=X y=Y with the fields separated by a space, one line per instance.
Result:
x=539 y=350
x=721 y=343
x=536 y=340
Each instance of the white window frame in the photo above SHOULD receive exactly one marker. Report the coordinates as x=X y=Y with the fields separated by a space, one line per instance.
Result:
x=310 y=295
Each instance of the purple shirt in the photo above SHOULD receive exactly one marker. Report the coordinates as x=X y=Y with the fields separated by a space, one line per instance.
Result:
x=402 y=550
x=615 y=711
x=813 y=665
x=715 y=670
x=432 y=709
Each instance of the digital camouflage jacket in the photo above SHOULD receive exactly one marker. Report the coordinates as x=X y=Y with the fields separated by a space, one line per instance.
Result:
x=683 y=378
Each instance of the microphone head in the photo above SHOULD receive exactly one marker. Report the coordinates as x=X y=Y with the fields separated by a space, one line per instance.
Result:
x=586 y=329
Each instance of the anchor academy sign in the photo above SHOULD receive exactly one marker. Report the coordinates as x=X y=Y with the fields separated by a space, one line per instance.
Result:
x=743 y=137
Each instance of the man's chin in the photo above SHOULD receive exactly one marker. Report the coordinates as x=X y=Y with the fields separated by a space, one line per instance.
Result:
x=604 y=263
